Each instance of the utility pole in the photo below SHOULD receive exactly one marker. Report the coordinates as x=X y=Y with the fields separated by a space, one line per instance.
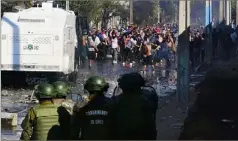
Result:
x=131 y=12
x=208 y=30
x=224 y=11
x=183 y=52
x=67 y=5
x=208 y=11
x=221 y=11
x=188 y=12
x=228 y=11
x=236 y=13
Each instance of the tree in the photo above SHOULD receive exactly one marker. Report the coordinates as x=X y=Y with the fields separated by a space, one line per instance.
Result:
x=122 y=11
x=145 y=12
x=13 y=6
x=233 y=9
x=110 y=9
x=86 y=8
x=169 y=10
x=97 y=10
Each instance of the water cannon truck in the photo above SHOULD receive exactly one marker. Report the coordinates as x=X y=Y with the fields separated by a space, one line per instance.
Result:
x=38 y=44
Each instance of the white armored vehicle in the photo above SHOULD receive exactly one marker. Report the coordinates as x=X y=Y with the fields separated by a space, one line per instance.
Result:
x=38 y=41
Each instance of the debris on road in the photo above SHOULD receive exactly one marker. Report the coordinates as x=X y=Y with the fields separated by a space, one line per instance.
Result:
x=9 y=119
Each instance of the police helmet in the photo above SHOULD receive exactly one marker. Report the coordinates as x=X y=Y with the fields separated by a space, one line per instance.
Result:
x=96 y=84
x=131 y=81
x=44 y=91
x=61 y=88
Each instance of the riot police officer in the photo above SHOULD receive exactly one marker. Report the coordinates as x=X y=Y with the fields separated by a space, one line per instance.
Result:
x=62 y=90
x=134 y=116
x=94 y=121
x=41 y=117
x=65 y=110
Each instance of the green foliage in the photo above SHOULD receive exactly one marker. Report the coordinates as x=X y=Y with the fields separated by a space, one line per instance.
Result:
x=97 y=11
x=94 y=10
x=112 y=8
x=9 y=6
x=233 y=9
x=145 y=12
x=169 y=9
x=87 y=8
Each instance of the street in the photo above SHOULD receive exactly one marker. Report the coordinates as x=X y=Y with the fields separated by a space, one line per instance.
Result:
x=169 y=116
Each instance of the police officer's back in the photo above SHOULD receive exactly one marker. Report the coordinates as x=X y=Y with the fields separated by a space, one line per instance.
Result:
x=134 y=115
x=41 y=117
x=65 y=109
x=94 y=121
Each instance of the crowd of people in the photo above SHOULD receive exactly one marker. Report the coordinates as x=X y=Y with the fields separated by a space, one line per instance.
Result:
x=147 y=45
x=196 y=46
x=150 y=45
x=223 y=43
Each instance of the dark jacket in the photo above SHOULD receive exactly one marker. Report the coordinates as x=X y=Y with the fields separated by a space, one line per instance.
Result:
x=95 y=120
x=134 y=118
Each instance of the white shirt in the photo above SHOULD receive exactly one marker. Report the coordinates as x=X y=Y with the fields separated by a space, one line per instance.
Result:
x=142 y=34
x=133 y=42
x=114 y=43
x=95 y=43
x=104 y=36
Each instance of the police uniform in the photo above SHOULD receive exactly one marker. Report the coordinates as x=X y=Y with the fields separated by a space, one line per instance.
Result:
x=94 y=120
x=134 y=114
x=42 y=117
x=38 y=121
x=65 y=110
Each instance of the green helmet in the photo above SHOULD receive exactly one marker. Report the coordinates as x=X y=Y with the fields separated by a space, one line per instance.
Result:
x=43 y=91
x=61 y=88
x=96 y=84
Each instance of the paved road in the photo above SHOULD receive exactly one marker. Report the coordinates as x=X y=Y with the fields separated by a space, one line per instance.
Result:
x=18 y=100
